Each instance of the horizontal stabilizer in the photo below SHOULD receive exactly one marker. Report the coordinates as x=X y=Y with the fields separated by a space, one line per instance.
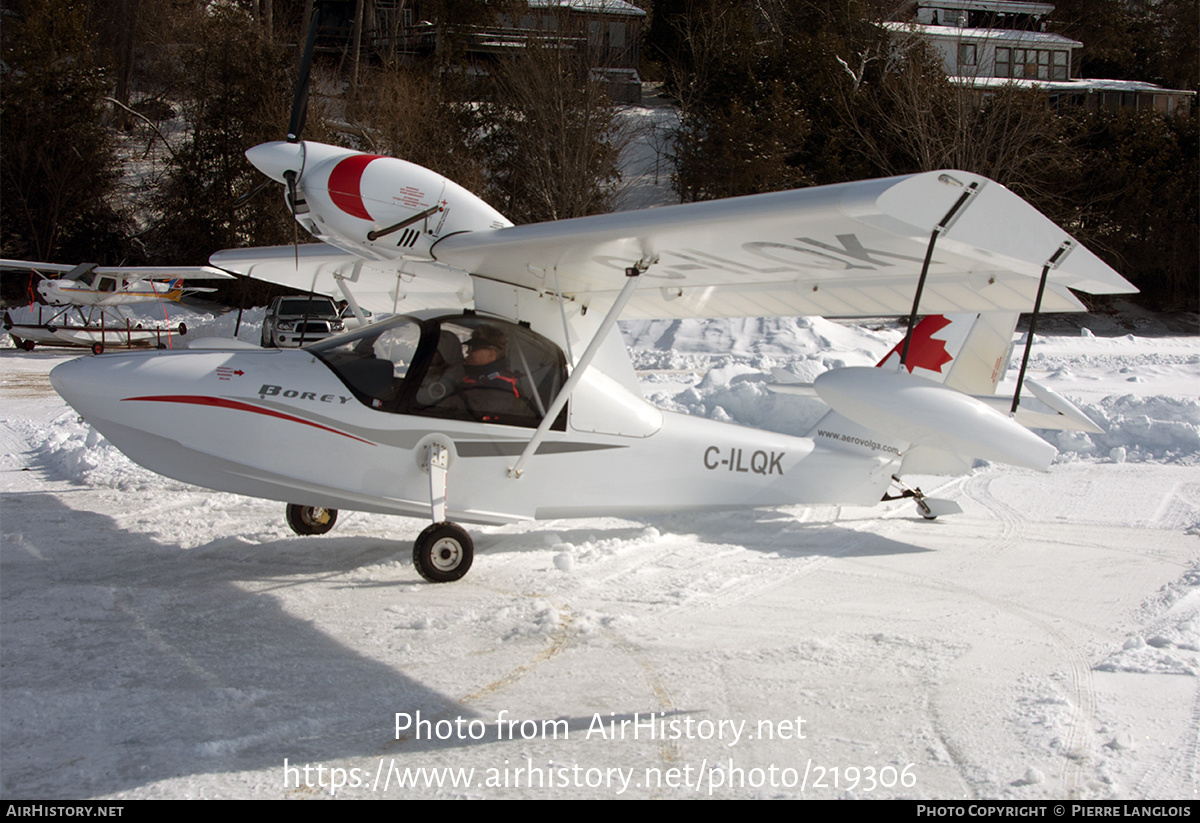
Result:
x=1067 y=411
x=924 y=413
x=1047 y=409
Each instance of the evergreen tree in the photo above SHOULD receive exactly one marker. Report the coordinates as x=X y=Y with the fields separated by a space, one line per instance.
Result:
x=757 y=85
x=1133 y=196
x=237 y=87
x=58 y=167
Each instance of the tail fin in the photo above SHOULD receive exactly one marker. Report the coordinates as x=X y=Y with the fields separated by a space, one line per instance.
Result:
x=967 y=352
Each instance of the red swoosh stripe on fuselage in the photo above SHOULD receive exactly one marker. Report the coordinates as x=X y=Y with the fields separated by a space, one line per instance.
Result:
x=221 y=402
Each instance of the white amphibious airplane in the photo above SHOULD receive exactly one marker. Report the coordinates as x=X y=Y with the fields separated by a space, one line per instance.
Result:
x=526 y=406
x=85 y=302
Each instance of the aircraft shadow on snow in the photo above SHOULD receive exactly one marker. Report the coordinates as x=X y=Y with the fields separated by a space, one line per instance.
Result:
x=123 y=671
x=119 y=672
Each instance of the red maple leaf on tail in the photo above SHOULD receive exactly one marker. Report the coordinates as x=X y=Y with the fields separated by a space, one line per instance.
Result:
x=924 y=351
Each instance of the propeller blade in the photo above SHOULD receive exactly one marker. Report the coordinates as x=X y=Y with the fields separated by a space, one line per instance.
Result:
x=300 y=101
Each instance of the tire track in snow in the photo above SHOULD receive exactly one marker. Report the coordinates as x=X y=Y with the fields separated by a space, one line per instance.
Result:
x=1079 y=671
x=764 y=558
x=1180 y=769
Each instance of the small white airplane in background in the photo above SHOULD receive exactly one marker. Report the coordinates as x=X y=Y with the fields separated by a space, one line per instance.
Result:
x=101 y=291
x=527 y=406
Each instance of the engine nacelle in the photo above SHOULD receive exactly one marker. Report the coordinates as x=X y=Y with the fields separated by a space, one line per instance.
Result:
x=376 y=207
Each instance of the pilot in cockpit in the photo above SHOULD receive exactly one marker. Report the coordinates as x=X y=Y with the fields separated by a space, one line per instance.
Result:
x=488 y=383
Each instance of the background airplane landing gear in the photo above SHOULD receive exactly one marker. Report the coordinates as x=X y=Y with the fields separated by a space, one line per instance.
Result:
x=308 y=520
x=443 y=552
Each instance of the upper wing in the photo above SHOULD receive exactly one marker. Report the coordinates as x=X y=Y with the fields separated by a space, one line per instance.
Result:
x=850 y=249
x=128 y=273
x=131 y=273
x=380 y=286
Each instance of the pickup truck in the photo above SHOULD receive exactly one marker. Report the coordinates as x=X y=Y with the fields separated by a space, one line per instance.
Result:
x=290 y=318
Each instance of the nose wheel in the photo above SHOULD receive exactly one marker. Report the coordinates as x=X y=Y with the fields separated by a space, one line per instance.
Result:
x=443 y=552
x=306 y=520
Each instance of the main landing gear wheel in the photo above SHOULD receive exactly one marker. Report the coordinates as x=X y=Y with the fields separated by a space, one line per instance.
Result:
x=27 y=344
x=443 y=552
x=308 y=520
x=97 y=348
x=924 y=510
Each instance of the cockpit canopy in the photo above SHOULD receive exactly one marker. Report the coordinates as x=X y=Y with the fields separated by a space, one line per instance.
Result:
x=456 y=367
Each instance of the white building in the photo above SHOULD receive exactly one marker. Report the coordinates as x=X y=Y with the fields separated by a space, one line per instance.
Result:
x=986 y=44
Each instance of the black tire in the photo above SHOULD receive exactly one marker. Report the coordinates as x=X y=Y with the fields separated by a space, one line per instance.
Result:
x=308 y=520
x=923 y=508
x=182 y=329
x=27 y=344
x=97 y=348
x=443 y=553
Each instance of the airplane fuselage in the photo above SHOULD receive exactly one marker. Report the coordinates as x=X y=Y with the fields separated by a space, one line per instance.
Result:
x=72 y=293
x=281 y=425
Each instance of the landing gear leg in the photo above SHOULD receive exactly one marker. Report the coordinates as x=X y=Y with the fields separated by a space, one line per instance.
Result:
x=443 y=552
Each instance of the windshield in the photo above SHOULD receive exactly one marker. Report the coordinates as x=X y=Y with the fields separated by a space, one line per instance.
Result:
x=317 y=307
x=374 y=361
x=461 y=367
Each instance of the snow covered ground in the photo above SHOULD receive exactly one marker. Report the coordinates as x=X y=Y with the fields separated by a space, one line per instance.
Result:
x=158 y=640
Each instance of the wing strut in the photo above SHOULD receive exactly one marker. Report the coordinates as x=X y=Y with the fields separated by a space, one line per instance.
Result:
x=345 y=289
x=1052 y=263
x=631 y=278
x=946 y=222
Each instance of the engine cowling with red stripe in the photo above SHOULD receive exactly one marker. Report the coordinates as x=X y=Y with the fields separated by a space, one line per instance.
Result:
x=363 y=203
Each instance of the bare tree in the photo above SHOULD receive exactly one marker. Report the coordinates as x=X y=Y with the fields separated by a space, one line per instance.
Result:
x=908 y=116
x=553 y=139
x=409 y=114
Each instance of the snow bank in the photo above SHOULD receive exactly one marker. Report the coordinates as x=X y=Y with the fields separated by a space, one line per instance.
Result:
x=74 y=451
x=720 y=369
x=1170 y=642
